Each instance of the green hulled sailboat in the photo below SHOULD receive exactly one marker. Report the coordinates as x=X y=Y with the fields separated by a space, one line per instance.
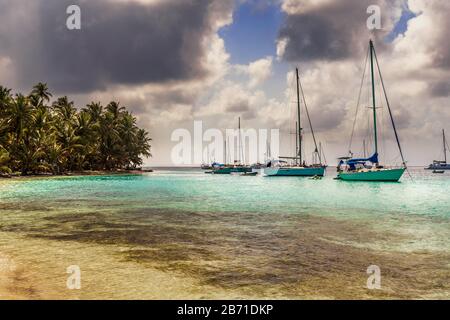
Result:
x=298 y=166
x=238 y=166
x=369 y=169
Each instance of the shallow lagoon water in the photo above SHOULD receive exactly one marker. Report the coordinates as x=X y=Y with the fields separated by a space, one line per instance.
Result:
x=185 y=234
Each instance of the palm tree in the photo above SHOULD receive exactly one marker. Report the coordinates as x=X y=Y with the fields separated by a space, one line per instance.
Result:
x=95 y=110
x=65 y=109
x=143 y=144
x=4 y=159
x=5 y=99
x=70 y=143
x=41 y=91
x=19 y=115
x=109 y=139
x=55 y=157
x=36 y=138
x=115 y=109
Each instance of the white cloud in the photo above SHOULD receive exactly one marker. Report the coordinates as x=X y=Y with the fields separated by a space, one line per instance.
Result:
x=257 y=71
x=416 y=69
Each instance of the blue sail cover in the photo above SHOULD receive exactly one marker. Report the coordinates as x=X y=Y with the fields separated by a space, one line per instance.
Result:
x=353 y=162
x=216 y=164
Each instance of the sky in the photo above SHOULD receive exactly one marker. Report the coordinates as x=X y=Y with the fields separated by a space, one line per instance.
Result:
x=173 y=62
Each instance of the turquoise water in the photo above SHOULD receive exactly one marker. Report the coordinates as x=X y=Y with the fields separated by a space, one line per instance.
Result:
x=425 y=194
x=235 y=232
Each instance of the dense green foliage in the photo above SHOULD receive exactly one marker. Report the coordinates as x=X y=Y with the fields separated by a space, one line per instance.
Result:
x=37 y=136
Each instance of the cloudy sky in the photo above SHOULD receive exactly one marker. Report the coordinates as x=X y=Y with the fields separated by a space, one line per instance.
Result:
x=175 y=61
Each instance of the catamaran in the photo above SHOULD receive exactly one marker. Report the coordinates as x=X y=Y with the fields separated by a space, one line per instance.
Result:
x=369 y=169
x=437 y=165
x=297 y=166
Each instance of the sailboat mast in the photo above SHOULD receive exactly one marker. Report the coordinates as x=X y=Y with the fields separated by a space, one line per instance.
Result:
x=445 y=146
x=364 y=148
x=296 y=141
x=239 y=138
x=225 y=151
x=241 y=153
x=299 y=126
x=320 y=151
x=373 y=98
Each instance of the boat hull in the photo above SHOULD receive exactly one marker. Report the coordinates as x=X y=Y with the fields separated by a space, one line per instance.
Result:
x=439 y=167
x=386 y=175
x=230 y=170
x=294 y=172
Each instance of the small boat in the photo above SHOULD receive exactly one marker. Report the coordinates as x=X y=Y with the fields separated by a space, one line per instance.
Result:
x=369 y=169
x=206 y=167
x=237 y=166
x=229 y=169
x=211 y=166
x=439 y=171
x=438 y=165
x=297 y=166
x=247 y=174
x=258 y=166
x=294 y=171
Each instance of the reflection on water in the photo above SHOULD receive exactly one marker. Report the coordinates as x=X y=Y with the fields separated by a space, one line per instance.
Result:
x=189 y=235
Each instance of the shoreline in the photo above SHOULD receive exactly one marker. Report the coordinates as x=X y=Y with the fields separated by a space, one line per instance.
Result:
x=78 y=174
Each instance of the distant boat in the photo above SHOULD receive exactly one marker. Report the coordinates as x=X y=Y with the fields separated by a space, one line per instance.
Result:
x=238 y=166
x=206 y=166
x=258 y=166
x=439 y=171
x=298 y=166
x=369 y=169
x=441 y=165
x=246 y=174
x=209 y=165
x=229 y=169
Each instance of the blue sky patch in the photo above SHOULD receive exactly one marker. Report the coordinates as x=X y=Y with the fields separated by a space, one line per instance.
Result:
x=254 y=32
x=402 y=24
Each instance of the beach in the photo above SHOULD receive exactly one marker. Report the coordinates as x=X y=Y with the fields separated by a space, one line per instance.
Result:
x=152 y=237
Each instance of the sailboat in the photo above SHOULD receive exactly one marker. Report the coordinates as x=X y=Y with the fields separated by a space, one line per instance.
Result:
x=298 y=166
x=208 y=165
x=238 y=166
x=441 y=165
x=369 y=169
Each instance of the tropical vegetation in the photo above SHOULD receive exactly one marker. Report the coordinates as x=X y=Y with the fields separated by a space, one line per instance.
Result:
x=38 y=136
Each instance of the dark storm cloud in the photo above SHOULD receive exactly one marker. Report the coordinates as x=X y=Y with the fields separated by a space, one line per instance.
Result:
x=119 y=43
x=241 y=107
x=333 y=31
x=441 y=54
x=440 y=89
